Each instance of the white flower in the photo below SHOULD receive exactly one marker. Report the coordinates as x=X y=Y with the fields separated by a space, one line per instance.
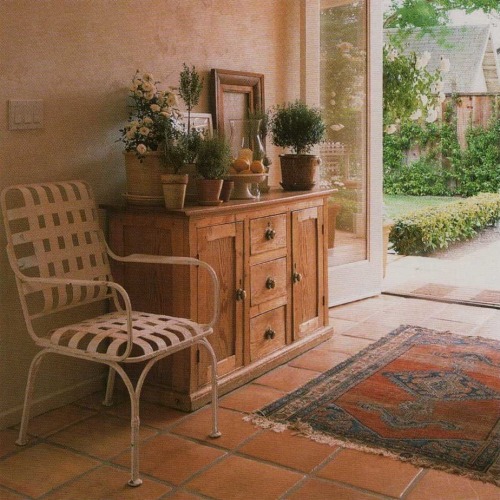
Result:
x=337 y=127
x=333 y=102
x=148 y=87
x=141 y=149
x=171 y=99
x=134 y=123
x=423 y=60
x=130 y=134
x=424 y=99
x=390 y=129
x=444 y=65
x=393 y=53
x=148 y=77
x=144 y=131
x=334 y=93
x=166 y=114
x=345 y=46
x=155 y=108
x=432 y=114
x=416 y=115
x=147 y=121
x=149 y=95
x=138 y=93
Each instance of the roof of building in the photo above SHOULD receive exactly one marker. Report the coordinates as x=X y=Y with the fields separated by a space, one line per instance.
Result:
x=464 y=46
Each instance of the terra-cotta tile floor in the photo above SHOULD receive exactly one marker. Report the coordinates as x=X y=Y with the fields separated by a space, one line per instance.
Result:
x=80 y=451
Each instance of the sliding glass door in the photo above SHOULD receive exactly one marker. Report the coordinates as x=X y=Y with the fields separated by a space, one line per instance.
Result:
x=350 y=97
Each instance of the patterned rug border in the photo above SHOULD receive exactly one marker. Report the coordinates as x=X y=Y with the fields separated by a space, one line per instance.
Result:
x=302 y=429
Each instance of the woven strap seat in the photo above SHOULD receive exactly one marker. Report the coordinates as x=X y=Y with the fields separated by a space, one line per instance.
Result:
x=106 y=335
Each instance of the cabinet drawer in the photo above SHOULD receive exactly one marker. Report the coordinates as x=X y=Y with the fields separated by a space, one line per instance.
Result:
x=267 y=233
x=267 y=281
x=267 y=332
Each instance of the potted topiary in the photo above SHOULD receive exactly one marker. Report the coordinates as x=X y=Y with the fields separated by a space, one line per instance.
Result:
x=212 y=164
x=298 y=127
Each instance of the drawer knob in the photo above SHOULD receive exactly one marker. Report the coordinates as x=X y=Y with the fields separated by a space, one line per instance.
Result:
x=270 y=233
x=270 y=283
x=241 y=294
x=296 y=277
x=269 y=334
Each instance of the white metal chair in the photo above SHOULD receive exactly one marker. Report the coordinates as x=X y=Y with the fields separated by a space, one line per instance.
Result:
x=60 y=259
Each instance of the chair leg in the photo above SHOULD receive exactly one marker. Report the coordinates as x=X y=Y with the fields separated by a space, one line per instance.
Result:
x=28 y=396
x=215 y=399
x=108 y=398
x=134 y=424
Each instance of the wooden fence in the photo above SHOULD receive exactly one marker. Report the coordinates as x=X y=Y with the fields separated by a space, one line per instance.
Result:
x=473 y=110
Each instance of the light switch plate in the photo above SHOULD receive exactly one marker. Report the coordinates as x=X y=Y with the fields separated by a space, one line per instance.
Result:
x=25 y=114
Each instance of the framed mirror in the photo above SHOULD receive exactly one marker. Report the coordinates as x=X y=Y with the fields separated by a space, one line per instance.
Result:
x=234 y=95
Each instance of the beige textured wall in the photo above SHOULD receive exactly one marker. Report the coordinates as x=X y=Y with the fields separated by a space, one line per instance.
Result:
x=79 y=56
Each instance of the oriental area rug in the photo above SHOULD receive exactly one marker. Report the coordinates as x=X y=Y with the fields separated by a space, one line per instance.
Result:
x=431 y=398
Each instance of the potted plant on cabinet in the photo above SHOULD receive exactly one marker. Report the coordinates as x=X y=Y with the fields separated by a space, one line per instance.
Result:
x=212 y=164
x=151 y=110
x=298 y=127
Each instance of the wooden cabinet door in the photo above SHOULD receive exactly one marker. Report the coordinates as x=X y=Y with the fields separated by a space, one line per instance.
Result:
x=308 y=299
x=222 y=247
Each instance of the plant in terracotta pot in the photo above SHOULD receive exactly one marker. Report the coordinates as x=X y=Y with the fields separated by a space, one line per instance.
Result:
x=212 y=164
x=298 y=127
x=143 y=134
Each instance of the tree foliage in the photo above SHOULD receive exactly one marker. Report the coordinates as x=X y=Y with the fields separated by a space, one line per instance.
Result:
x=426 y=13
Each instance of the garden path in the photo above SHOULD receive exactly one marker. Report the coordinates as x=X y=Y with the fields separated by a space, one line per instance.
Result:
x=467 y=271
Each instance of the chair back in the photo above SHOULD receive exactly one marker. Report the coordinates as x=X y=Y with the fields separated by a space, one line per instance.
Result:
x=53 y=232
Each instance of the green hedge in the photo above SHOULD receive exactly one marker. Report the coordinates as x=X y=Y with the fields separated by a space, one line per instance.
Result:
x=429 y=229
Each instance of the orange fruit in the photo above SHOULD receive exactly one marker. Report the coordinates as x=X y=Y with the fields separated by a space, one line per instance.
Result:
x=240 y=164
x=257 y=167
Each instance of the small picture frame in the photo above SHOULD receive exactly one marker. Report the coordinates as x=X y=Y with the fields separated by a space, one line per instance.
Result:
x=201 y=122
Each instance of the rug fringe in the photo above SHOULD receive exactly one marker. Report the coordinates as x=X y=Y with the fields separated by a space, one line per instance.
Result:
x=303 y=429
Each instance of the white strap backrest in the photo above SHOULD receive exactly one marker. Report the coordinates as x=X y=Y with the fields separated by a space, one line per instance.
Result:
x=53 y=232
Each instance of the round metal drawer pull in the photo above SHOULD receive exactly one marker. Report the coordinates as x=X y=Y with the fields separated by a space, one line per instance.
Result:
x=269 y=334
x=270 y=283
x=296 y=277
x=241 y=294
x=270 y=233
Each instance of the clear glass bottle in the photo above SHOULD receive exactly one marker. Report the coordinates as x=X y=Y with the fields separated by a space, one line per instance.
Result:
x=245 y=140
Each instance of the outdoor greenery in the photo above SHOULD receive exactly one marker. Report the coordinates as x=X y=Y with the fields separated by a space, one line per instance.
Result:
x=443 y=168
x=426 y=230
x=396 y=206
x=428 y=13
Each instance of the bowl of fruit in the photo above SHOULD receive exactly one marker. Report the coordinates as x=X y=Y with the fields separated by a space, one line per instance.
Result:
x=246 y=171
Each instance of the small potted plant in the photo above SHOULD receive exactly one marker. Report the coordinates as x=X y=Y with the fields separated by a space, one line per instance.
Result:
x=298 y=127
x=212 y=164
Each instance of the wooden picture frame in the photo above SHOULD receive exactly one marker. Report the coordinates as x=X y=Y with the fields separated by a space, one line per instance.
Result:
x=202 y=122
x=234 y=94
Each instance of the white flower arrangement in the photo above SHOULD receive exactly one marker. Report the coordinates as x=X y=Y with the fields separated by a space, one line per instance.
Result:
x=152 y=109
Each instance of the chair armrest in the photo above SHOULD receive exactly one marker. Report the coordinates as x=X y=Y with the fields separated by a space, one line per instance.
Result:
x=172 y=260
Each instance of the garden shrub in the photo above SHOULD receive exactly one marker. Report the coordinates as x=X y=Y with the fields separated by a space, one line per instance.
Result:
x=423 y=231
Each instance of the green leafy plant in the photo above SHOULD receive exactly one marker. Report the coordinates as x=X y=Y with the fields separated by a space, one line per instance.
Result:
x=214 y=157
x=296 y=126
x=181 y=141
x=426 y=230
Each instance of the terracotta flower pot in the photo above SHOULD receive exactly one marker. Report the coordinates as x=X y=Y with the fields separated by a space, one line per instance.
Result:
x=144 y=178
x=298 y=172
x=174 y=190
x=227 y=189
x=209 y=191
